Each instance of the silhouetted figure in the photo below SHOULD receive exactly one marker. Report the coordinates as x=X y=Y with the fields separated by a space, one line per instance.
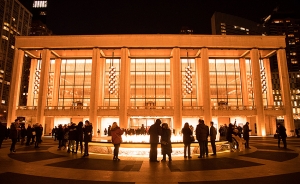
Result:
x=281 y=134
x=166 y=145
x=213 y=135
x=3 y=131
x=246 y=131
x=155 y=132
x=187 y=133
x=87 y=132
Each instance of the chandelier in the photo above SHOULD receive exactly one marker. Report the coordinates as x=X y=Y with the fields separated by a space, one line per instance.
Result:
x=112 y=77
x=263 y=78
x=188 y=78
x=37 y=76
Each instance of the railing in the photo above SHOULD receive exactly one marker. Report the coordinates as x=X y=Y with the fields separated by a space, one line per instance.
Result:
x=67 y=108
x=273 y=107
x=27 y=107
x=108 y=108
x=192 y=108
x=151 y=107
x=233 y=108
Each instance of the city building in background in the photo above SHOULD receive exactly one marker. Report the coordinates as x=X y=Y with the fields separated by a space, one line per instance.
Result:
x=134 y=79
x=277 y=23
x=225 y=24
x=287 y=23
x=15 y=21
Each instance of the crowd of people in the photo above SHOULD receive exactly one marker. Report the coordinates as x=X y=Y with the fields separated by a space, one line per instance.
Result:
x=17 y=132
x=72 y=136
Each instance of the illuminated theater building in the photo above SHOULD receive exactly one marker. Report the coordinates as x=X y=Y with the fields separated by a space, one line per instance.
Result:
x=134 y=79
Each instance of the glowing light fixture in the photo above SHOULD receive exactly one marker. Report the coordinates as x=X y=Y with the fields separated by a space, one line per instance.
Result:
x=188 y=78
x=112 y=77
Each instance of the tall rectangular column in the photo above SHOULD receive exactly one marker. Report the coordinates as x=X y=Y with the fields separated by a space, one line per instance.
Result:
x=31 y=82
x=270 y=97
x=243 y=73
x=176 y=89
x=15 y=83
x=285 y=90
x=206 y=93
x=56 y=82
x=258 y=98
x=43 y=87
x=95 y=88
x=199 y=81
x=124 y=91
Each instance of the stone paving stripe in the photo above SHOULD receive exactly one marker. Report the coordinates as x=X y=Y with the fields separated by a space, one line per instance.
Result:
x=277 y=179
x=13 y=178
x=271 y=155
x=209 y=164
x=33 y=156
x=99 y=164
x=271 y=148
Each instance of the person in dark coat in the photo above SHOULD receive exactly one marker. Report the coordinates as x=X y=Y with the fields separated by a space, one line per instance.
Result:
x=108 y=130
x=202 y=132
x=281 y=134
x=155 y=132
x=79 y=136
x=39 y=131
x=13 y=135
x=165 y=141
x=246 y=136
x=23 y=134
x=116 y=135
x=72 y=137
x=213 y=135
x=229 y=136
x=87 y=132
x=187 y=133
x=3 y=131
x=60 y=136
x=28 y=135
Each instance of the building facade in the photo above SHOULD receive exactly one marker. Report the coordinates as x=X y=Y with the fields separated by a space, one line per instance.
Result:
x=15 y=21
x=134 y=79
x=225 y=24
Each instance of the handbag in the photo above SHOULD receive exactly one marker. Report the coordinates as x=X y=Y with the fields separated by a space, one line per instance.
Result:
x=33 y=133
x=192 y=138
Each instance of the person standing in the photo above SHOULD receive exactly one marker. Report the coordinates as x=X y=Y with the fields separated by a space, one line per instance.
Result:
x=281 y=134
x=187 y=133
x=116 y=135
x=72 y=138
x=79 y=136
x=28 y=134
x=155 y=132
x=87 y=132
x=60 y=136
x=13 y=135
x=202 y=133
x=213 y=135
x=246 y=136
x=39 y=131
x=229 y=133
x=2 y=133
x=166 y=145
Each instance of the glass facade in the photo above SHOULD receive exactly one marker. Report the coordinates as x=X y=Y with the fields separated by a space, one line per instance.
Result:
x=150 y=84
x=75 y=83
x=225 y=82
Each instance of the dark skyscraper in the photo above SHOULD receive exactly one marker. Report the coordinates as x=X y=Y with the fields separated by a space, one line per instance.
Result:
x=15 y=20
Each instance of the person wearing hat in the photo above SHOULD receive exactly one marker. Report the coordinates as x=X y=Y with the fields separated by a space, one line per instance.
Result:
x=281 y=134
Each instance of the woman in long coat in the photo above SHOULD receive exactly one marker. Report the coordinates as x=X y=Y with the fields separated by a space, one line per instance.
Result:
x=166 y=146
x=187 y=133
x=116 y=135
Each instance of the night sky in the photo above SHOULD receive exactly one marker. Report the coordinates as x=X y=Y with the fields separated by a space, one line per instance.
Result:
x=74 y=17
